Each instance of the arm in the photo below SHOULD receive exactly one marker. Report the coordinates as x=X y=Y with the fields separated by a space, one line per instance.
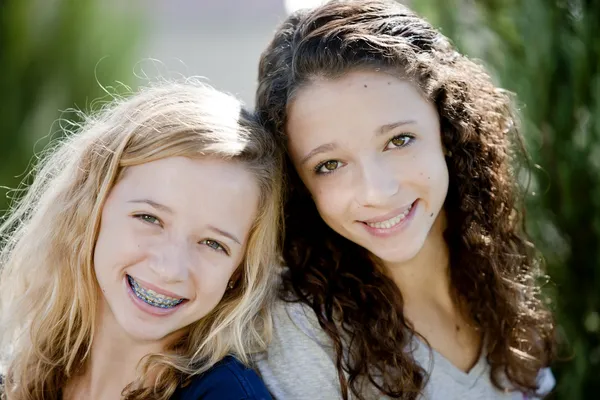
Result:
x=300 y=363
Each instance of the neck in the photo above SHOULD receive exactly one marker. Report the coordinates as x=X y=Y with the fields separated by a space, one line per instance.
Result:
x=425 y=279
x=114 y=361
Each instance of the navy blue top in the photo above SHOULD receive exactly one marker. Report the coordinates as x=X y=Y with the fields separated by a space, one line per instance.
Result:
x=229 y=379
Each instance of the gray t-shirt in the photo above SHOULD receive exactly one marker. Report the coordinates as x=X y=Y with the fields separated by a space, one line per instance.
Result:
x=300 y=365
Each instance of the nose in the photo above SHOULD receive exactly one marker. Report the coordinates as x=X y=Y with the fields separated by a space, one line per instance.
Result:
x=377 y=183
x=172 y=262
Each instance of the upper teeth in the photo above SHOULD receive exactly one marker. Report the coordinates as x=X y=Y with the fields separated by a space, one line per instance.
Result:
x=151 y=297
x=390 y=222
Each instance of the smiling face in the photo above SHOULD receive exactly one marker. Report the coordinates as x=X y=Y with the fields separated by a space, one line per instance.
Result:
x=172 y=233
x=368 y=148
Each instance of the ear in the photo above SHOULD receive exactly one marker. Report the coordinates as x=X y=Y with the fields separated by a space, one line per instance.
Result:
x=236 y=276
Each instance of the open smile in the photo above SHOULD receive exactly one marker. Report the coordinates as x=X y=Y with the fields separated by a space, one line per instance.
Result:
x=151 y=297
x=392 y=222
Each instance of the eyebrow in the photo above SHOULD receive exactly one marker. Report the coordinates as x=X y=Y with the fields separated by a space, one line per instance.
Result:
x=225 y=233
x=382 y=130
x=153 y=204
x=318 y=150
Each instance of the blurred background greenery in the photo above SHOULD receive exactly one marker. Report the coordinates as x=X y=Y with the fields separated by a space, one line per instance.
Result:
x=52 y=56
x=548 y=52
x=57 y=54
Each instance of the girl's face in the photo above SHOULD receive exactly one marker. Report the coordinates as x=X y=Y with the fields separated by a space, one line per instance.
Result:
x=172 y=233
x=368 y=148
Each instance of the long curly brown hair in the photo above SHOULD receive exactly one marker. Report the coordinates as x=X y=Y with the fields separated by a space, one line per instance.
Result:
x=494 y=269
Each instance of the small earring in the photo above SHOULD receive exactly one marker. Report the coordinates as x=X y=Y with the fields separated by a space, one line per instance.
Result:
x=230 y=285
x=448 y=153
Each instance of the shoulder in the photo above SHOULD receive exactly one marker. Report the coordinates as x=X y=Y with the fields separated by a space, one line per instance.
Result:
x=297 y=337
x=545 y=381
x=227 y=380
x=300 y=361
x=297 y=320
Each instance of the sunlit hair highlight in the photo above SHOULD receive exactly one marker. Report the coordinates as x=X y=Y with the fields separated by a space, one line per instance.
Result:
x=494 y=269
x=48 y=290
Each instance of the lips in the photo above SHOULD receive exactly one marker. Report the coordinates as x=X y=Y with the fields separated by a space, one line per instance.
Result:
x=391 y=219
x=152 y=297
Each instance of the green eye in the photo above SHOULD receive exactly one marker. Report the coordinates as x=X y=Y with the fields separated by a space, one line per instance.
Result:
x=213 y=245
x=151 y=219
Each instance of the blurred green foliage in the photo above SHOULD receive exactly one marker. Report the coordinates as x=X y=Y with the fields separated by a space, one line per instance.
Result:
x=548 y=53
x=55 y=55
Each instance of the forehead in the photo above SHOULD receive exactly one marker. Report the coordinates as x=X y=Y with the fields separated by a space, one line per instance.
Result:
x=177 y=170
x=358 y=101
x=207 y=188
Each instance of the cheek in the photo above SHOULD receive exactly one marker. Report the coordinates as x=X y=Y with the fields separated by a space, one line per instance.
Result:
x=210 y=289
x=117 y=246
x=107 y=259
x=439 y=175
x=211 y=280
x=106 y=248
x=330 y=202
x=433 y=177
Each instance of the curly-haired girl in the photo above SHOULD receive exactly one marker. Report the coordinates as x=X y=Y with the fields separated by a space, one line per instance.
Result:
x=408 y=270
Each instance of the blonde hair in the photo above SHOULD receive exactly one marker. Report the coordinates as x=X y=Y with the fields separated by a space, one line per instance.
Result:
x=48 y=290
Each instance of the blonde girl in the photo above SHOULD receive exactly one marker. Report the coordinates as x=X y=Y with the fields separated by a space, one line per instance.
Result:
x=140 y=263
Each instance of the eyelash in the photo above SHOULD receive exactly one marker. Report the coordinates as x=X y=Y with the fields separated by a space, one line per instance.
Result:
x=207 y=242
x=221 y=248
x=410 y=139
x=318 y=167
x=144 y=218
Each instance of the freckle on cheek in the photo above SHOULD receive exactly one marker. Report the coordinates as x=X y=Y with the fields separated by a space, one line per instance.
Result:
x=365 y=85
x=431 y=215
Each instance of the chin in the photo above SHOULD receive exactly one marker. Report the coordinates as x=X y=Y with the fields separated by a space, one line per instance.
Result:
x=399 y=254
x=393 y=258
x=145 y=332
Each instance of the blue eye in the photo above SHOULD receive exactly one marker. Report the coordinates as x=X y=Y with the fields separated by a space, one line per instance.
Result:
x=402 y=140
x=214 y=245
x=151 y=219
x=327 y=167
